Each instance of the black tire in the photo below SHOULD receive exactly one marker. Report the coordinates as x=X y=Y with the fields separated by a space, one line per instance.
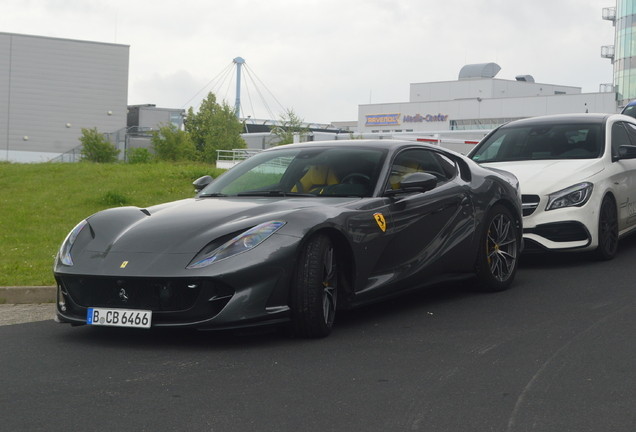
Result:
x=498 y=254
x=314 y=290
x=607 y=230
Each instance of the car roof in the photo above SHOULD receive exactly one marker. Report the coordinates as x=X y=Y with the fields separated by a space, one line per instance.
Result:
x=385 y=144
x=561 y=119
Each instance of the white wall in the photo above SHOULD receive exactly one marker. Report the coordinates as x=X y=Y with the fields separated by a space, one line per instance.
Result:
x=469 y=109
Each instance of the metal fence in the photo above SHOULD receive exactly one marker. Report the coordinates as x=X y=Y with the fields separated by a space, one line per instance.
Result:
x=228 y=158
x=73 y=155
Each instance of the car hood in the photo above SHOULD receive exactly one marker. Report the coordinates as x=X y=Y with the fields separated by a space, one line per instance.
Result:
x=547 y=176
x=187 y=226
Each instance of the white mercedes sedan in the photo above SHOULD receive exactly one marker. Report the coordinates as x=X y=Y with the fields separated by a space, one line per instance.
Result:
x=578 y=178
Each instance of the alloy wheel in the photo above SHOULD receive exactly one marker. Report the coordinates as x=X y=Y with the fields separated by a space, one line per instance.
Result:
x=501 y=247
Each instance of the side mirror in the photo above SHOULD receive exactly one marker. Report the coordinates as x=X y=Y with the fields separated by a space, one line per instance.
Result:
x=416 y=182
x=201 y=182
x=627 y=152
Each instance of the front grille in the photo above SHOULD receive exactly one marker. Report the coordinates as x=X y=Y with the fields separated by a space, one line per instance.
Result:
x=561 y=231
x=529 y=204
x=155 y=294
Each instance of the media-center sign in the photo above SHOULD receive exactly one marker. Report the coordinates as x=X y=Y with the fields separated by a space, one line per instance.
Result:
x=394 y=119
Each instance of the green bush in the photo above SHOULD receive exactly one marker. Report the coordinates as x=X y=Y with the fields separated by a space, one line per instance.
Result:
x=172 y=144
x=95 y=148
x=139 y=155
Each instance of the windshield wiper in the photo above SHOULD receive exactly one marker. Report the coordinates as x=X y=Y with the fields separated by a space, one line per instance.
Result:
x=275 y=192
x=213 y=194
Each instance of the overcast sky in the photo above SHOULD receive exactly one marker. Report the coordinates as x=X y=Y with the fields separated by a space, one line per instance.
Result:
x=323 y=58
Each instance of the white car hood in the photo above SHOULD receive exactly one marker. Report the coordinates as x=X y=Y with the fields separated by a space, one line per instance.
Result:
x=542 y=177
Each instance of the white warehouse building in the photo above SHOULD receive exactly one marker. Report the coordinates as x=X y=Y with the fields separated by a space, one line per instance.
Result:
x=51 y=88
x=477 y=101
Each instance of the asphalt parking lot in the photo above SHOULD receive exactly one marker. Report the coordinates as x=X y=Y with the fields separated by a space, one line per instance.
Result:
x=553 y=353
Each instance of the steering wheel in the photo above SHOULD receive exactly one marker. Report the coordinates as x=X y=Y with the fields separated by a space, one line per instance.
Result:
x=356 y=178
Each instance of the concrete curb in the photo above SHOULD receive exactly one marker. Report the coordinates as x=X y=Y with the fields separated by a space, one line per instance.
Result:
x=28 y=294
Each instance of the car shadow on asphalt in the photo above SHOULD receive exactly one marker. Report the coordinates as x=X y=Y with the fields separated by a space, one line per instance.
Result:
x=354 y=320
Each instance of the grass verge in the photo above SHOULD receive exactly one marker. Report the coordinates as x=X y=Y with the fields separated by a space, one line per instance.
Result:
x=41 y=203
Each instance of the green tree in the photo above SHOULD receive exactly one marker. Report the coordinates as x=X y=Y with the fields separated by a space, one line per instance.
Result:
x=95 y=148
x=172 y=144
x=289 y=125
x=214 y=127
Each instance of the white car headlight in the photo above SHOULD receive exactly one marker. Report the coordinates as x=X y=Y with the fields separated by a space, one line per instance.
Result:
x=239 y=244
x=574 y=196
x=65 y=249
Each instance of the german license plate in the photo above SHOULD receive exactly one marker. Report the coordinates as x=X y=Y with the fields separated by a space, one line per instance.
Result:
x=119 y=317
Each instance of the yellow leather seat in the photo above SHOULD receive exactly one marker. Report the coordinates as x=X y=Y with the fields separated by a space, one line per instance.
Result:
x=402 y=170
x=318 y=176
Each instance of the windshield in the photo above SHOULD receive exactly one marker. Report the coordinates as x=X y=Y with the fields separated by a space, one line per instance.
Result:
x=546 y=141
x=630 y=110
x=319 y=171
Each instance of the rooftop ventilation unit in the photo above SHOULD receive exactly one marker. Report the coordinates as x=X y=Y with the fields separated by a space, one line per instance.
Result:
x=481 y=70
x=525 y=78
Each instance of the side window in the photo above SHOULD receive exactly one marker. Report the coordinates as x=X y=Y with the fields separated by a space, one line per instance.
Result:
x=419 y=160
x=448 y=166
x=619 y=137
x=631 y=131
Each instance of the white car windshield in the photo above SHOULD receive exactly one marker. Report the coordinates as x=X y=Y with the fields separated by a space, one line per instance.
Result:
x=544 y=141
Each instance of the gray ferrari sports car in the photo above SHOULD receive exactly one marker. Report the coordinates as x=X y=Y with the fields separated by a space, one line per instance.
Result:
x=293 y=234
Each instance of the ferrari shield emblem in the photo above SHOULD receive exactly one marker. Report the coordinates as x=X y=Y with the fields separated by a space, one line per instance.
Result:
x=379 y=218
x=124 y=264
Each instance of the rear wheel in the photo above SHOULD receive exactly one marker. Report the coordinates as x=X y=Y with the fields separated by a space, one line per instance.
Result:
x=607 y=230
x=314 y=290
x=498 y=253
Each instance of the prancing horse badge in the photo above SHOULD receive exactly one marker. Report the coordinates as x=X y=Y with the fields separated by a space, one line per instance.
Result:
x=379 y=218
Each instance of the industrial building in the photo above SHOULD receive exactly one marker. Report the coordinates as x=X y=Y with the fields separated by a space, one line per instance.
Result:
x=50 y=88
x=478 y=100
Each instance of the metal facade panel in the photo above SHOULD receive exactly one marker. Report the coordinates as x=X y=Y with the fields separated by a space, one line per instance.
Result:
x=154 y=118
x=59 y=86
x=5 y=65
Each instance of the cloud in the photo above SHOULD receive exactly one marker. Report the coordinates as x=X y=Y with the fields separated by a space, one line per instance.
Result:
x=324 y=57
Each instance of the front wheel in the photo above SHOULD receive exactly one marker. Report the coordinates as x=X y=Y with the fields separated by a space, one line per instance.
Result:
x=607 y=230
x=498 y=254
x=314 y=289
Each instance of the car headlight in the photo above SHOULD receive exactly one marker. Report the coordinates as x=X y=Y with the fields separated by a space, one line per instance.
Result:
x=239 y=244
x=65 y=249
x=574 y=196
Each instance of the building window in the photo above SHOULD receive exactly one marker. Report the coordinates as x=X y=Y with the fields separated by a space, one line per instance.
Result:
x=485 y=124
x=176 y=118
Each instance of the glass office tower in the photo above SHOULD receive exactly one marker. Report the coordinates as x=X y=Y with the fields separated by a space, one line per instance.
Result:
x=625 y=51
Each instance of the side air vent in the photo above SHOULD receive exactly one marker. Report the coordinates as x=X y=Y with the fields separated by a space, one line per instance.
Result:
x=529 y=204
